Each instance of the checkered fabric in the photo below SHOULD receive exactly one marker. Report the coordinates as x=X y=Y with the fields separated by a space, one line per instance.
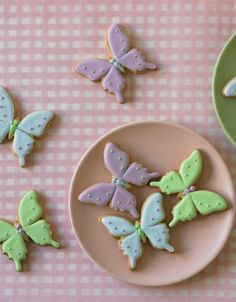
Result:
x=40 y=42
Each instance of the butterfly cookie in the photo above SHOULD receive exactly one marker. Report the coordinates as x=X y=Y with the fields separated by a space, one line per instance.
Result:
x=124 y=176
x=124 y=58
x=23 y=131
x=230 y=88
x=30 y=226
x=192 y=200
x=148 y=228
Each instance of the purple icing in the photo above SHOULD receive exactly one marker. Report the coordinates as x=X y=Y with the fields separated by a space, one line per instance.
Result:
x=124 y=201
x=123 y=57
x=117 y=162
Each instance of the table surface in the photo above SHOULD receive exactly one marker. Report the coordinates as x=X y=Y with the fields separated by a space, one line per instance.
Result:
x=40 y=42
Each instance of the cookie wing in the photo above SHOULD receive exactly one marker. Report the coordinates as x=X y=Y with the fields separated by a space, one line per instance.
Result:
x=135 y=62
x=230 y=88
x=132 y=247
x=6 y=113
x=41 y=233
x=35 y=123
x=99 y=194
x=4 y=129
x=118 y=41
x=16 y=250
x=191 y=168
x=117 y=226
x=6 y=107
x=6 y=230
x=137 y=175
x=158 y=236
x=170 y=183
x=94 y=69
x=116 y=161
x=184 y=210
x=208 y=202
x=114 y=83
x=29 y=210
x=22 y=145
x=152 y=210
x=123 y=200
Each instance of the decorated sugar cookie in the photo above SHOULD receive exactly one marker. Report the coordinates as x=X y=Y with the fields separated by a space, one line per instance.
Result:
x=124 y=175
x=192 y=201
x=230 y=88
x=29 y=226
x=149 y=228
x=22 y=131
x=124 y=58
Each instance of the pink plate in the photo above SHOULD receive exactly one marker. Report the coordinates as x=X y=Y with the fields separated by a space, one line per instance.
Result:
x=159 y=147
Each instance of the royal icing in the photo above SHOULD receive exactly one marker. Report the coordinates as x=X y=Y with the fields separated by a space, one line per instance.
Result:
x=23 y=131
x=230 y=88
x=149 y=227
x=124 y=175
x=29 y=226
x=192 y=201
x=124 y=58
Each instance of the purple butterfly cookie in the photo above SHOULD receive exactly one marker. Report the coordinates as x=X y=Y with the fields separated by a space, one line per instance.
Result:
x=124 y=58
x=124 y=175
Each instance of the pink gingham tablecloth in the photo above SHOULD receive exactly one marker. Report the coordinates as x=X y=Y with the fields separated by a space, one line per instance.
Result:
x=40 y=42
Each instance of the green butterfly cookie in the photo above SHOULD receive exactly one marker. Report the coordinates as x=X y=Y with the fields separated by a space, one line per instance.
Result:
x=29 y=226
x=192 y=201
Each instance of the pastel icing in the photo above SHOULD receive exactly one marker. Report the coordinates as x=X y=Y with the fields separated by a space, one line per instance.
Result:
x=124 y=175
x=192 y=201
x=30 y=226
x=230 y=88
x=124 y=58
x=133 y=235
x=22 y=131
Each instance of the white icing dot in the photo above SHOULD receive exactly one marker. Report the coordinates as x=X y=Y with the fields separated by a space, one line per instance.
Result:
x=218 y=203
x=186 y=175
x=123 y=230
x=139 y=64
x=118 y=202
x=153 y=218
x=1 y=106
x=98 y=198
x=93 y=71
x=102 y=70
x=117 y=31
x=120 y=158
x=18 y=253
x=108 y=194
x=4 y=115
x=119 y=85
x=129 y=202
x=85 y=67
x=109 y=83
x=45 y=118
x=44 y=226
x=122 y=49
x=109 y=222
x=115 y=228
x=2 y=97
x=137 y=168
x=142 y=177
x=39 y=125
x=19 y=148
x=135 y=251
x=127 y=246
x=43 y=238
x=159 y=239
x=31 y=129
x=89 y=195
x=6 y=234
x=29 y=219
x=208 y=205
x=9 y=249
x=123 y=40
x=112 y=151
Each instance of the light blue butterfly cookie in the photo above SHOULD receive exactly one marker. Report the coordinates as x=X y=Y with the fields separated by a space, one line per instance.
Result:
x=22 y=132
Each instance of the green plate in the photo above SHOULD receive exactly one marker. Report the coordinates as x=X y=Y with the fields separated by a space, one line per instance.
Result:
x=225 y=70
